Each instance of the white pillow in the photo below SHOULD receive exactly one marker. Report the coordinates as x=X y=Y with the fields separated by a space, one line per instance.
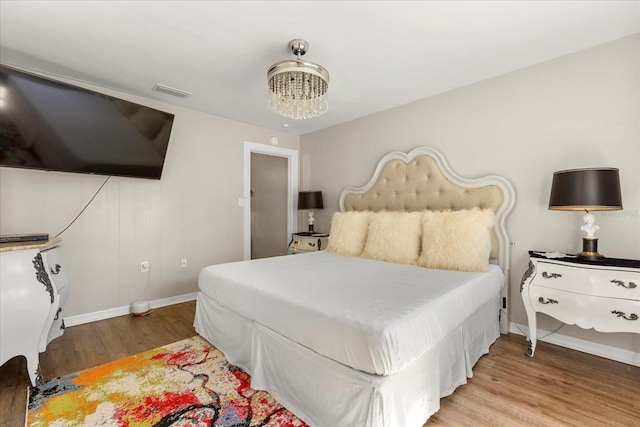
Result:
x=394 y=237
x=348 y=233
x=456 y=240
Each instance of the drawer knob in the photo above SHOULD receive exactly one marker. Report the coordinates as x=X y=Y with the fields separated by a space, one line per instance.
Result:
x=632 y=316
x=547 y=301
x=550 y=276
x=55 y=270
x=631 y=285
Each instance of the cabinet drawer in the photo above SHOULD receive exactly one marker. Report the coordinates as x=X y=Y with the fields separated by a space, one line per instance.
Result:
x=56 y=269
x=308 y=243
x=588 y=280
x=587 y=311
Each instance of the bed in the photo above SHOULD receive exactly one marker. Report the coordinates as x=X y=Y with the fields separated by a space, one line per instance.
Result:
x=389 y=319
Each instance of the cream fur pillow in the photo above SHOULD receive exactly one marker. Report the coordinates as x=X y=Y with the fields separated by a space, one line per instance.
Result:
x=456 y=240
x=348 y=233
x=394 y=237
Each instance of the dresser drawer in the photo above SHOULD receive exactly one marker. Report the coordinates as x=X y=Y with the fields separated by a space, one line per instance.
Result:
x=55 y=267
x=602 y=314
x=57 y=327
x=588 y=280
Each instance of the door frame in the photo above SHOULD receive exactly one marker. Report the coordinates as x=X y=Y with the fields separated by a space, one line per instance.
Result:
x=292 y=187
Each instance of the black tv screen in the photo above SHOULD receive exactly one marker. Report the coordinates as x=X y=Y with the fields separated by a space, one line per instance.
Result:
x=54 y=126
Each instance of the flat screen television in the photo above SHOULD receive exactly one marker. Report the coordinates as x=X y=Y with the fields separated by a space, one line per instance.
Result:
x=49 y=125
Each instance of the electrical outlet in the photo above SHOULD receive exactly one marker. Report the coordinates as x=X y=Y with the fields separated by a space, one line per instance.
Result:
x=183 y=263
x=144 y=266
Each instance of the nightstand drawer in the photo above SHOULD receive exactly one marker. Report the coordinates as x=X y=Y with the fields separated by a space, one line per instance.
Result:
x=602 y=314
x=301 y=243
x=588 y=280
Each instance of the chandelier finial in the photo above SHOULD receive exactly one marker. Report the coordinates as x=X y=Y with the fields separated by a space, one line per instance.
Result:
x=298 y=47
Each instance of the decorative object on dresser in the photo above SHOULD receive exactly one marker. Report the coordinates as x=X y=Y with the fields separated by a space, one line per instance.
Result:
x=34 y=285
x=310 y=200
x=592 y=189
x=603 y=295
x=307 y=242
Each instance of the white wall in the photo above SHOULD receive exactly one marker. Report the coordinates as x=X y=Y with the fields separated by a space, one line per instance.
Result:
x=581 y=110
x=192 y=212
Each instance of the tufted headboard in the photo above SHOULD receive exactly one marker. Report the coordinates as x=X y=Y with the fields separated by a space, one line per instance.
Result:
x=423 y=180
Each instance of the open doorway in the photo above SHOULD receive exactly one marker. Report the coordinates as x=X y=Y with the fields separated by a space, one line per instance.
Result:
x=270 y=192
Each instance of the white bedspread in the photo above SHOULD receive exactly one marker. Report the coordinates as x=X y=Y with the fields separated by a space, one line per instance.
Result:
x=374 y=316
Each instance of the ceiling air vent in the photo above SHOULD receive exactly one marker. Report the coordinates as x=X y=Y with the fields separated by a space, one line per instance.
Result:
x=171 y=91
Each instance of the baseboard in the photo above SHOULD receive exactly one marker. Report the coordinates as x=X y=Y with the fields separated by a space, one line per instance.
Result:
x=123 y=310
x=619 y=355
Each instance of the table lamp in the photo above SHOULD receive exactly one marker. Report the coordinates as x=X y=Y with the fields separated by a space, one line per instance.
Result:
x=310 y=200
x=590 y=189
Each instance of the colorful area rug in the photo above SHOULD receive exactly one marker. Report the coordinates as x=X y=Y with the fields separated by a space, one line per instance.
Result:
x=188 y=383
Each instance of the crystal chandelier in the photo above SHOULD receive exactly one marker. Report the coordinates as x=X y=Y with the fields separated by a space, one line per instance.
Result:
x=298 y=89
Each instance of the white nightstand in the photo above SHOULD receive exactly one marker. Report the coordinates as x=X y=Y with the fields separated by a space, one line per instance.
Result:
x=603 y=295
x=307 y=242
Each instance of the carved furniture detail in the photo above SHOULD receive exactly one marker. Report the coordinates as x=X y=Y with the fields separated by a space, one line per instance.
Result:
x=601 y=294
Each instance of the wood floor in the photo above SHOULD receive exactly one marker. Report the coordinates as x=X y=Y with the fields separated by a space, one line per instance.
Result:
x=558 y=387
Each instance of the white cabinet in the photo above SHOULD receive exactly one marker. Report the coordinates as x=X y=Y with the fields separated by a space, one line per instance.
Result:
x=603 y=295
x=34 y=284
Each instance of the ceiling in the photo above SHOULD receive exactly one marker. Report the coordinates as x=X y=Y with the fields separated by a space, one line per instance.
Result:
x=380 y=54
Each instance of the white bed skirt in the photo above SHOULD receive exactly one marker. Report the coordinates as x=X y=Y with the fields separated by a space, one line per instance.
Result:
x=325 y=393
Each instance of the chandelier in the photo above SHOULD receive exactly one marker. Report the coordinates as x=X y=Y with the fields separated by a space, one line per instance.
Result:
x=298 y=89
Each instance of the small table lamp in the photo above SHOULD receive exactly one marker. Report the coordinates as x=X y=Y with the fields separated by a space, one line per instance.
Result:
x=310 y=200
x=593 y=189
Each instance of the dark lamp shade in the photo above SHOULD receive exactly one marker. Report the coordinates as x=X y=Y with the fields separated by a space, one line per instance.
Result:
x=594 y=189
x=310 y=200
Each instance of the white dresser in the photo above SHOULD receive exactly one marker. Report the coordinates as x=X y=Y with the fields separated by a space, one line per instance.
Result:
x=603 y=295
x=34 y=284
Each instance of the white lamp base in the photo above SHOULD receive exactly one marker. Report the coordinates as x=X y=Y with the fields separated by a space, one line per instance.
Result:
x=311 y=221
x=590 y=249
x=589 y=242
